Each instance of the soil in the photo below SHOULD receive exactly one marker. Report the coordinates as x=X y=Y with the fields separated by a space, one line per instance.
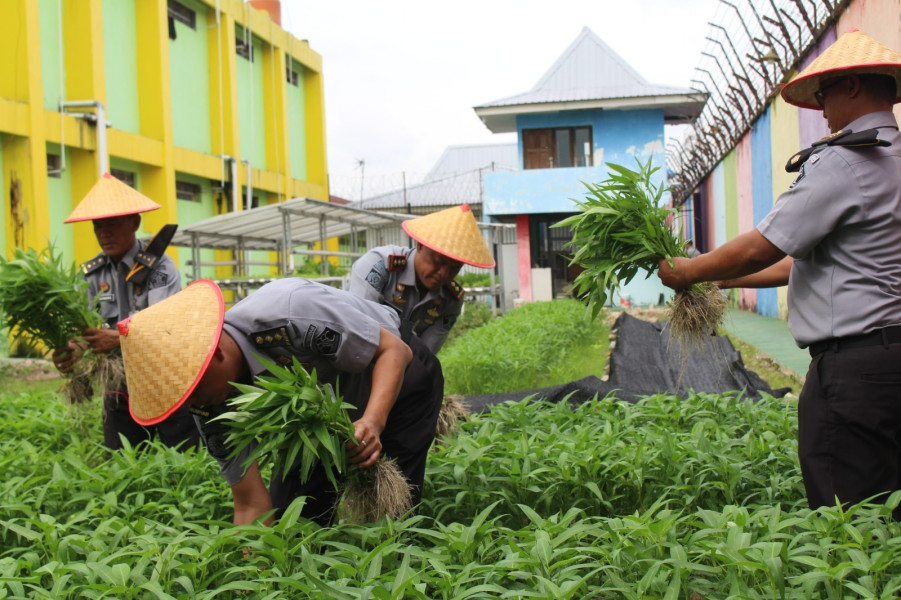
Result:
x=28 y=369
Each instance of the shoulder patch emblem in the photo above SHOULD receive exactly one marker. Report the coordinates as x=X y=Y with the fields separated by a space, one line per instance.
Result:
x=158 y=278
x=397 y=262
x=327 y=342
x=378 y=276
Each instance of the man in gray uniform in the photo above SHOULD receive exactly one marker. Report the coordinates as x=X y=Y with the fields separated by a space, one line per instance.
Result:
x=418 y=283
x=127 y=276
x=350 y=342
x=834 y=238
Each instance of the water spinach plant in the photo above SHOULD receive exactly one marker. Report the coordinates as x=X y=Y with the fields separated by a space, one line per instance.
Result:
x=288 y=416
x=45 y=301
x=621 y=229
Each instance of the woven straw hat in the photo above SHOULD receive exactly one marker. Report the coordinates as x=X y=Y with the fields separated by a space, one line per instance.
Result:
x=111 y=198
x=853 y=52
x=167 y=348
x=454 y=233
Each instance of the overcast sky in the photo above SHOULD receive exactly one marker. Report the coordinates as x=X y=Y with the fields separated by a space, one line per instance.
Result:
x=402 y=76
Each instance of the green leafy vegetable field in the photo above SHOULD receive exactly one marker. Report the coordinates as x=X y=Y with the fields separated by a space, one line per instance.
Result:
x=697 y=498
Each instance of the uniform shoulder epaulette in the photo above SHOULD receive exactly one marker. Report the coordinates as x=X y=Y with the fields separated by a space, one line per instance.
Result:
x=93 y=264
x=843 y=137
x=397 y=262
x=456 y=290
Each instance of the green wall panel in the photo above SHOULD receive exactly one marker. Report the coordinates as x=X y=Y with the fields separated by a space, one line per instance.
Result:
x=189 y=79
x=59 y=192
x=120 y=53
x=250 y=104
x=50 y=68
x=730 y=178
x=190 y=212
x=297 y=126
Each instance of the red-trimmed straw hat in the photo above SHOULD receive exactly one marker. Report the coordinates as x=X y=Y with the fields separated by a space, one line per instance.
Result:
x=111 y=198
x=853 y=53
x=454 y=233
x=167 y=348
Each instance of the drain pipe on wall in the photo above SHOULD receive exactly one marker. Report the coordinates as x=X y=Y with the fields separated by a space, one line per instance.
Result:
x=99 y=119
x=248 y=202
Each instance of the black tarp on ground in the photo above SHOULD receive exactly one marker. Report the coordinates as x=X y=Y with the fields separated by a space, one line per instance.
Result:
x=641 y=363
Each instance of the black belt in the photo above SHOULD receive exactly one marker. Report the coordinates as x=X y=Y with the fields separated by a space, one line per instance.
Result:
x=880 y=337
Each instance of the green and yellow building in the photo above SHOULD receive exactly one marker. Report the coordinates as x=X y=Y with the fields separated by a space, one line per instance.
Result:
x=205 y=106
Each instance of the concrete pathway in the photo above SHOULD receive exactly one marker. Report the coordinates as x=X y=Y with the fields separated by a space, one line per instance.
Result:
x=770 y=336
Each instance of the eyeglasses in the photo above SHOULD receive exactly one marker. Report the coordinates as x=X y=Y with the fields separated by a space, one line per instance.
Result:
x=820 y=96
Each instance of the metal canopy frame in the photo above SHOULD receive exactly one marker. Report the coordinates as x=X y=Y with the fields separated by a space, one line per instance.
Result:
x=285 y=227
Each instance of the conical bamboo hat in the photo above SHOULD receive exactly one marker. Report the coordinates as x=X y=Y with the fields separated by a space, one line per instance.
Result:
x=454 y=233
x=111 y=198
x=853 y=52
x=167 y=348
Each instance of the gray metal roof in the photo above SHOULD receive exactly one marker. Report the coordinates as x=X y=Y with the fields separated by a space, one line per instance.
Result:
x=265 y=227
x=590 y=75
x=455 y=179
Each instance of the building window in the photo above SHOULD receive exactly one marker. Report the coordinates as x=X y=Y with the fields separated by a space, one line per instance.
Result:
x=54 y=168
x=181 y=13
x=291 y=75
x=187 y=191
x=242 y=47
x=556 y=148
x=126 y=177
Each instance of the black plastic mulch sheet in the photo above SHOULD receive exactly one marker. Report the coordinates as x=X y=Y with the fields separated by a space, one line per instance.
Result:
x=642 y=363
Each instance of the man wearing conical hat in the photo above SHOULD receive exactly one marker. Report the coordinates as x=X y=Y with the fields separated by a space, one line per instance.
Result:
x=419 y=282
x=127 y=276
x=351 y=343
x=835 y=239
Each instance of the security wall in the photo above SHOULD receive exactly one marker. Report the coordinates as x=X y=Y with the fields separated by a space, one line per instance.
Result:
x=747 y=182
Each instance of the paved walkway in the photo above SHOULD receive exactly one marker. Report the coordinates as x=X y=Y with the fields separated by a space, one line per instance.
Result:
x=770 y=336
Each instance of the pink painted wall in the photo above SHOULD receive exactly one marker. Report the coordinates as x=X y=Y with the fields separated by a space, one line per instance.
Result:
x=524 y=254
x=709 y=214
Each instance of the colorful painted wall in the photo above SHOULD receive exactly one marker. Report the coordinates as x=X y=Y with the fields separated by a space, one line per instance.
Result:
x=180 y=98
x=745 y=185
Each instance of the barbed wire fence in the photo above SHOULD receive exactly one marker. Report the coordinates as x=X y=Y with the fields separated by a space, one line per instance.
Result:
x=753 y=46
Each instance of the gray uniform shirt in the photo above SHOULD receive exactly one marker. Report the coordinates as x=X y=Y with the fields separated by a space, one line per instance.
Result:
x=841 y=222
x=325 y=328
x=375 y=277
x=117 y=298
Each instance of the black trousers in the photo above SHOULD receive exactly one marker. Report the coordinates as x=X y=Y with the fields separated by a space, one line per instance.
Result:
x=849 y=425
x=407 y=437
x=178 y=430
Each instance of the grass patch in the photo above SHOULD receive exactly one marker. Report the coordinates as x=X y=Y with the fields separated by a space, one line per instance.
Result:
x=533 y=346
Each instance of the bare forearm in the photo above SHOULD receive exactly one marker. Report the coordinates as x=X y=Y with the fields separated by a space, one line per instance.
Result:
x=387 y=377
x=744 y=255
x=773 y=276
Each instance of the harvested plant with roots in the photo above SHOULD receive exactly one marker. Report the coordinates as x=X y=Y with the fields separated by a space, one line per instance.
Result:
x=45 y=303
x=623 y=229
x=288 y=416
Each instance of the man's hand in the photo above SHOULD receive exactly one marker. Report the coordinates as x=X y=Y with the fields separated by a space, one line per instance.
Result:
x=101 y=340
x=674 y=278
x=66 y=357
x=368 y=448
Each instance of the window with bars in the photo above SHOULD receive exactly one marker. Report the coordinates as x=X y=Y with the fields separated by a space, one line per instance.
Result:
x=187 y=191
x=126 y=177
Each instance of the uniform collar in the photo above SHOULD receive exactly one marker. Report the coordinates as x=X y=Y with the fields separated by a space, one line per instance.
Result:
x=884 y=118
x=129 y=259
x=407 y=277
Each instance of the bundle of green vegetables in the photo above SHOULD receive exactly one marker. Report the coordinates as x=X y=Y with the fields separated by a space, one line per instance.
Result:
x=622 y=229
x=287 y=414
x=45 y=302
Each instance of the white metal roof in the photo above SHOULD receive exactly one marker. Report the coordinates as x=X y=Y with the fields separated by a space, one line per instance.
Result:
x=455 y=179
x=590 y=75
x=265 y=228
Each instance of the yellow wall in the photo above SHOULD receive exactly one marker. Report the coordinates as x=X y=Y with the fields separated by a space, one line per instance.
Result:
x=26 y=126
